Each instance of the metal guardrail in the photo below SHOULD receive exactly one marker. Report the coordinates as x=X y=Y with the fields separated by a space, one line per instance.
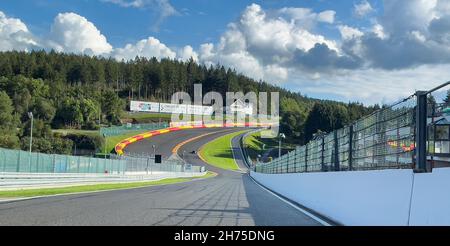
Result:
x=22 y=180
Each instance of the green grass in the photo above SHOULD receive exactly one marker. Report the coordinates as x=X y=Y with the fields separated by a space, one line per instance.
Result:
x=256 y=145
x=112 y=141
x=92 y=188
x=77 y=132
x=219 y=152
x=146 y=117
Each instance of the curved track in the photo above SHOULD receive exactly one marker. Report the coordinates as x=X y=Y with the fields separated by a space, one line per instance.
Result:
x=231 y=198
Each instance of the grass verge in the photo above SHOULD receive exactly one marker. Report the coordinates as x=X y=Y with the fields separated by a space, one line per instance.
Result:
x=146 y=117
x=94 y=188
x=219 y=152
x=110 y=141
x=256 y=145
x=113 y=140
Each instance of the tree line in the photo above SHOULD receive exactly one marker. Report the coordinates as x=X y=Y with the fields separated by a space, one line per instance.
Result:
x=84 y=92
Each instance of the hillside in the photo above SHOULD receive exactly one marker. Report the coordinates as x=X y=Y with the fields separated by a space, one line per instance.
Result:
x=83 y=92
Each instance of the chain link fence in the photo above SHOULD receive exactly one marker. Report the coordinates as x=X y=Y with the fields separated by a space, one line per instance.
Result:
x=25 y=162
x=143 y=163
x=119 y=130
x=438 y=134
x=17 y=161
x=384 y=139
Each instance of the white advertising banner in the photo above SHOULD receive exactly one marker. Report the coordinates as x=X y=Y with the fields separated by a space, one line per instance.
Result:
x=195 y=109
x=154 y=107
x=144 y=106
x=172 y=108
x=208 y=110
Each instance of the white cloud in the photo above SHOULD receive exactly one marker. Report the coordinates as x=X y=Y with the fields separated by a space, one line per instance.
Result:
x=406 y=48
x=125 y=3
x=275 y=73
x=305 y=17
x=187 y=53
x=410 y=33
x=149 y=48
x=162 y=8
x=362 y=9
x=206 y=52
x=327 y=16
x=378 y=30
x=14 y=34
x=372 y=85
x=262 y=45
x=349 y=32
x=402 y=16
x=281 y=46
x=71 y=32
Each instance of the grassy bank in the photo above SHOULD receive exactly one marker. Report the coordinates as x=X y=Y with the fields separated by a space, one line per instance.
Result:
x=256 y=145
x=93 y=188
x=219 y=152
x=110 y=141
x=113 y=140
x=145 y=117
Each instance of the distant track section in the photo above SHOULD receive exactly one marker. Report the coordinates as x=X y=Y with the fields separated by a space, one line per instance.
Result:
x=119 y=148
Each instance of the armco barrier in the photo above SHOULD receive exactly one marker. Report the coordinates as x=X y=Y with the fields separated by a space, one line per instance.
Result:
x=119 y=148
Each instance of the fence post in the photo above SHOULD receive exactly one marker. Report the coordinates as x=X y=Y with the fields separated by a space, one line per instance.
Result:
x=4 y=162
x=54 y=163
x=18 y=162
x=306 y=158
x=350 y=148
x=78 y=164
x=67 y=164
x=421 y=133
x=295 y=160
x=287 y=163
x=37 y=162
x=29 y=161
x=322 y=157
x=336 y=152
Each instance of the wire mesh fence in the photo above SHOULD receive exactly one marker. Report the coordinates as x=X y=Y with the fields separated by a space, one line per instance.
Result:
x=26 y=162
x=119 y=130
x=142 y=163
x=384 y=139
x=17 y=161
x=438 y=133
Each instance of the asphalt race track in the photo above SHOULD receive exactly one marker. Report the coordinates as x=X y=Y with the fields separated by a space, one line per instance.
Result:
x=231 y=198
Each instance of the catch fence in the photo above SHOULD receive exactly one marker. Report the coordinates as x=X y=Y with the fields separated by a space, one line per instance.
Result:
x=383 y=139
x=119 y=130
x=17 y=161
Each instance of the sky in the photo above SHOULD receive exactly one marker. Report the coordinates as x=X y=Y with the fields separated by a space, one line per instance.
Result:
x=371 y=51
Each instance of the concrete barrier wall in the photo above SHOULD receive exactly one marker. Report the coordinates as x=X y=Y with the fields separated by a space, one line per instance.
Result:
x=431 y=198
x=369 y=197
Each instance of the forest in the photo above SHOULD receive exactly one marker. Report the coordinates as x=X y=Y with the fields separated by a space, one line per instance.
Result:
x=70 y=91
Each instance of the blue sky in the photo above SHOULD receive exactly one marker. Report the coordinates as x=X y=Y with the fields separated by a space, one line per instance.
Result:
x=198 y=21
x=372 y=51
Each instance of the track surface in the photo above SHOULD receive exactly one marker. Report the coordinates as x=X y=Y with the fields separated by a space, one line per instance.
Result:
x=231 y=198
